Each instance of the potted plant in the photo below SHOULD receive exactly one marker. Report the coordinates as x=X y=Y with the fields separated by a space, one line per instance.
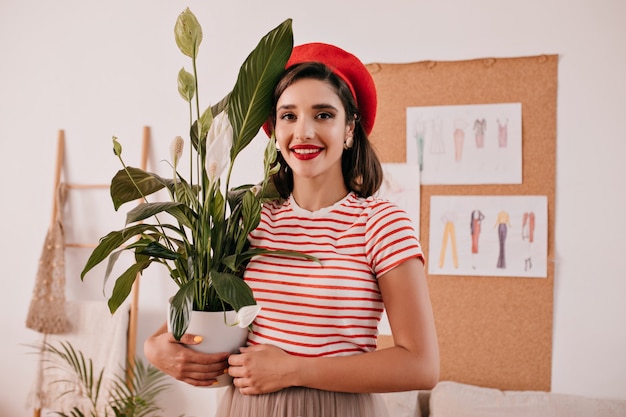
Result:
x=119 y=398
x=205 y=248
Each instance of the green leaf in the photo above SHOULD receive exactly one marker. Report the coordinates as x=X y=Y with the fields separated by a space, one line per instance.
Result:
x=235 y=195
x=111 y=242
x=145 y=239
x=124 y=284
x=232 y=289
x=269 y=156
x=117 y=147
x=251 y=211
x=180 y=211
x=157 y=250
x=112 y=260
x=219 y=107
x=184 y=192
x=186 y=85
x=234 y=262
x=84 y=381
x=198 y=145
x=137 y=399
x=216 y=234
x=251 y=99
x=188 y=33
x=133 y=183
x=217 y=205
x=140 y=398
x=206 y=119
x=269 y=192
x=231 y=262
x=251 y=215
x=180 y=309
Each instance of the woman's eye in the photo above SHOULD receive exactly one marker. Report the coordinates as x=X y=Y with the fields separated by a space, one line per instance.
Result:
x=324 y=115
x=287 y=116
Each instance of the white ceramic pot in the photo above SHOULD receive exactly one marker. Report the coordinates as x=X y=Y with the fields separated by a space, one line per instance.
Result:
x=219 y=335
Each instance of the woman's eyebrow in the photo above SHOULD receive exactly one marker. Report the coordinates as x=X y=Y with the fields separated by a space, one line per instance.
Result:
x=320 y=106
x=324 y=106
x=286 y=107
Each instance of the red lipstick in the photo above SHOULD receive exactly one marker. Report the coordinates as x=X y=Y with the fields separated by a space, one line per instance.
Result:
x=305 y=152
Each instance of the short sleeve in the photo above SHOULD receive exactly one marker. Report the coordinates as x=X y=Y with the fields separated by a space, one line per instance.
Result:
x=390 y=238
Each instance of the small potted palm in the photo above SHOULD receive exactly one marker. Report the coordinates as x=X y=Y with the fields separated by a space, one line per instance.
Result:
x=96 y=394
x=204 y=248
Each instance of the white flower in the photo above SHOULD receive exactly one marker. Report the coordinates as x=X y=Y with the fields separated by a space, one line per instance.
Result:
x=176 y=149
x=219 y=141
x=246 y=315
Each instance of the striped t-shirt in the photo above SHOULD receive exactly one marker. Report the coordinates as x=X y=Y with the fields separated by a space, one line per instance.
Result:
x=332 y=308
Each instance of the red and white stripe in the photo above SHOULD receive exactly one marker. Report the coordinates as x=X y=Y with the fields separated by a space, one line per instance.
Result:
x=332 y=308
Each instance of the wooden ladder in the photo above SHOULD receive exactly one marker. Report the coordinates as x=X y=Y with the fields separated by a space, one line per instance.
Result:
x=131 y=341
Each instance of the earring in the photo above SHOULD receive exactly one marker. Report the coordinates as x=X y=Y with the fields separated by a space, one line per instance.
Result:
x=277 y=146
x=349 y=142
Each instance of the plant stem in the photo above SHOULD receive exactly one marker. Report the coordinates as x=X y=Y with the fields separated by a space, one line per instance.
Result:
x=199 y=263
x=190 y=147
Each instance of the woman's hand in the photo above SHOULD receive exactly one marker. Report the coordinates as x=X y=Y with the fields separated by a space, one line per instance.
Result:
x=261 y=369
x=183 y=363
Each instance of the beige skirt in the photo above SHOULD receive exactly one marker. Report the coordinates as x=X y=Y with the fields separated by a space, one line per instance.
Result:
x=301 y=402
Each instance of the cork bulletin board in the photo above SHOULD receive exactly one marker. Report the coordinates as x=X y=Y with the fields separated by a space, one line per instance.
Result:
x=493 y=331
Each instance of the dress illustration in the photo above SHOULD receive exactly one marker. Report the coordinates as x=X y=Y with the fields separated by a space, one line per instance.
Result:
x=502 y=132
x=437 y=145
x=459 y=138
x=480 y=125
x=503 y=224
x=419 y=141
x=528 y=234
x=448 y=233
x=476 y=218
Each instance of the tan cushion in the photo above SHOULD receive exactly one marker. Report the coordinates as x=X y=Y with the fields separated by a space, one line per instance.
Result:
x=452 y=399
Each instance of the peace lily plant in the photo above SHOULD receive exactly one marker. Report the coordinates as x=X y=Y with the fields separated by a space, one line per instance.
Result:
x=205 y=248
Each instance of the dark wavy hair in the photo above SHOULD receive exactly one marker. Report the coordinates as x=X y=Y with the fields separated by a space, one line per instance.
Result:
x=362 y=172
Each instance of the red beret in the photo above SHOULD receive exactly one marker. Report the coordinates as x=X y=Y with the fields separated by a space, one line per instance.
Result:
x=349 y=68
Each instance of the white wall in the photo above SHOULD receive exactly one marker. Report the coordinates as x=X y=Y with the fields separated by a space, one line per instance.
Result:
x=97 y=69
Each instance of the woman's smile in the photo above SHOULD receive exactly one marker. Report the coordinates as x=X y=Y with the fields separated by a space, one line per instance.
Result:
x=306 y=152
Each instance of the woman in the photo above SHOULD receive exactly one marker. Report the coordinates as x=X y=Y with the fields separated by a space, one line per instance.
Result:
x=312 y=350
